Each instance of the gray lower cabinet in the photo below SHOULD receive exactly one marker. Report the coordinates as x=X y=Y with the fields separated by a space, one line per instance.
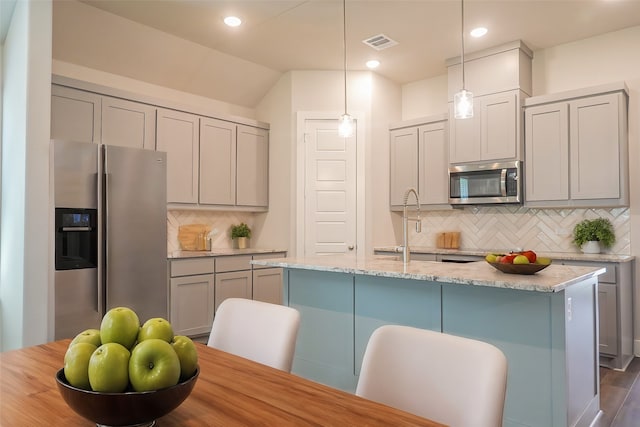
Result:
x=615 y=311
x=267 y=285
x=192 y=296
x=267 y=281
x=199 y=285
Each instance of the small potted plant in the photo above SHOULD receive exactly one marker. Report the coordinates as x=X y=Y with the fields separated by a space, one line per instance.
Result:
x=240 y=233
x=591 y=234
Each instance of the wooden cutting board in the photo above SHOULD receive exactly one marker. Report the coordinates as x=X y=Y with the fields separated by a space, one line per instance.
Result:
x=189 y=236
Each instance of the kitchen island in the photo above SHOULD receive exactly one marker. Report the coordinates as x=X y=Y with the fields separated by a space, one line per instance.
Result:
x=546 y=324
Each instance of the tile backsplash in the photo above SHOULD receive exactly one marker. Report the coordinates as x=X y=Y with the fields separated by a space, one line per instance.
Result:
x=219 y=221
x=507 y=228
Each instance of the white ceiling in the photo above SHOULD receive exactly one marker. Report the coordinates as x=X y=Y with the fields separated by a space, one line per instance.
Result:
x=284 y=35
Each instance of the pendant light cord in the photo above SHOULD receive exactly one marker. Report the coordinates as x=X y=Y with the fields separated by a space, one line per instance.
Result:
x=462 y=33
x=344 y=46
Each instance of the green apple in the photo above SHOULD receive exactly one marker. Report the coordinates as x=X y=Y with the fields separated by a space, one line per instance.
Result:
x=91 y=336
x=109 y=368
x=188 y=355
x=154 y=364
x=520 y=259
x=490 y=257
x=156 y=327
x=121 y=325
x=543 y=260
x=76 y=364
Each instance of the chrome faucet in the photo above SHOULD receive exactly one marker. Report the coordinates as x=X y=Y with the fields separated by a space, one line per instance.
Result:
x=406 y=255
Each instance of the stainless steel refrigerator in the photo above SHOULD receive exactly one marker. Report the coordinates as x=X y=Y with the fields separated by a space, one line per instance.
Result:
x=110 y=233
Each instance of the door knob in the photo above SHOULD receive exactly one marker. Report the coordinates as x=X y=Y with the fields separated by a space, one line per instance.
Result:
x=351 y=247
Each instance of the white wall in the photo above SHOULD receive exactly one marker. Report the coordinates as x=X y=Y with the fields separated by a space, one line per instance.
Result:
x=382 y=225
x=25 y=265
x=424 y=98
x=276 y=228
x=185 y=99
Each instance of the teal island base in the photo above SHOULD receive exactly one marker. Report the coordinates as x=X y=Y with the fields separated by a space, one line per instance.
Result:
x=549 y=338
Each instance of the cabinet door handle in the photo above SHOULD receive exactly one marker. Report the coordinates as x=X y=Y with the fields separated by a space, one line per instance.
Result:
x=351 y=247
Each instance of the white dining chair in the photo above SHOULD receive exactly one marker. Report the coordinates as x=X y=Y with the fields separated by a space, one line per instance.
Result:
x=263 y=332
x=449 y=379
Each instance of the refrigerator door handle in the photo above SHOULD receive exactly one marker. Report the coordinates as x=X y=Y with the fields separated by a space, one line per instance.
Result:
x=101 y=188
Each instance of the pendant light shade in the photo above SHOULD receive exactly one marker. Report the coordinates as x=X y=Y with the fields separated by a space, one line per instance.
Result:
x=463 y=100
x=463 y=104
x=345 y=125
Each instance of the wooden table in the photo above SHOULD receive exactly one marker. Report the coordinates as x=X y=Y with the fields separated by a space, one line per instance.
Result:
x=231 y=391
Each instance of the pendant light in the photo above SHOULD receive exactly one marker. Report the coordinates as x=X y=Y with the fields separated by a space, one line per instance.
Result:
x=345 y=125
x=463 y=100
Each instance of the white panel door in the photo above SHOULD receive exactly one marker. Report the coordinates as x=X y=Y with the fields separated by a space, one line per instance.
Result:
x=330 y=189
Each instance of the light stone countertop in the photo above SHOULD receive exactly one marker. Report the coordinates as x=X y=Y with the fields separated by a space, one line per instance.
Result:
x=569 y=256
x=221 y=252
x=554 y=278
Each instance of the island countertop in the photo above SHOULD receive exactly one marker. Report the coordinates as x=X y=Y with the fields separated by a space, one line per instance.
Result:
x=554 y=278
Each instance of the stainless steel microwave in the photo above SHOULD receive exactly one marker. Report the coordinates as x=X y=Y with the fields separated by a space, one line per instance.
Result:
x=486 y=183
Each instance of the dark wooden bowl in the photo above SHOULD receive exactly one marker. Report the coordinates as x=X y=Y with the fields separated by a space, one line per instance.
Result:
x=519 y=268
x=124 y=409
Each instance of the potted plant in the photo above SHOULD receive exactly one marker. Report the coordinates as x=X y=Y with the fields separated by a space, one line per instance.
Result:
x=591 y=234
x=240 y=233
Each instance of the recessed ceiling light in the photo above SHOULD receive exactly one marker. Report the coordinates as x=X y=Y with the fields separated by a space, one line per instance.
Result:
x=478 y=32
x=232 y=21
x=373 y=63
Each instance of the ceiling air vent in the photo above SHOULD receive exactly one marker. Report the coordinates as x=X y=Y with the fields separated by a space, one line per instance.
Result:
x=379 y=42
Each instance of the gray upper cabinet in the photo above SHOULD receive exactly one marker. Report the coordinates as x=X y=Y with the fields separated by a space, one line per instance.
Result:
x=217 y=162
x=178 y=135
x=500 y=79
x=83 y=116
x=252 y=166
x=234 y=164
x=75 y=114
x=403 y=156
x=419 y=159
x=576 y=149
x=128 y=124
x=211 y=163
x=493 y=133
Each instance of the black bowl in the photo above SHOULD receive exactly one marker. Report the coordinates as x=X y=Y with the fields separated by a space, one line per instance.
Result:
x=518 y=268
x=124 y=409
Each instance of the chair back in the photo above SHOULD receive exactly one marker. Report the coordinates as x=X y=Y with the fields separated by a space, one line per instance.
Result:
x=263 y=332
x=453 y=380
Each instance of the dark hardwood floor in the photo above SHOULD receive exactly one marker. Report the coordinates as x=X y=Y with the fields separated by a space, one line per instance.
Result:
x=620 y=397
